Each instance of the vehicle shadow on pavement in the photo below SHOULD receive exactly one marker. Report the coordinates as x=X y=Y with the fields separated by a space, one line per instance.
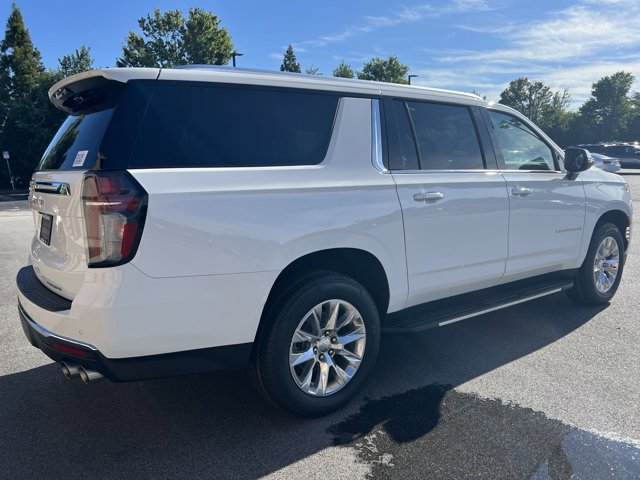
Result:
x=215 y=425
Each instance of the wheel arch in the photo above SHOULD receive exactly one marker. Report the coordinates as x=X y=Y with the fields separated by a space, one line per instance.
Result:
x=361 y=265
x=620 y=219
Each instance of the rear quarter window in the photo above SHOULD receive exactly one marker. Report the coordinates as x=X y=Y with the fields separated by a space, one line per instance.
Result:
x=231 y=126
x=76 y=143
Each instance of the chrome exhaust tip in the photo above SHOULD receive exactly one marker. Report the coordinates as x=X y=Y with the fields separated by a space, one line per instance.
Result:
x=69 y=370
x=90 y=376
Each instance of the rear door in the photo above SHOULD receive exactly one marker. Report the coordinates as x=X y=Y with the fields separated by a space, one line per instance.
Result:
x=455 y=209
x=57 y=248
x=547 y=206
x=97 y=135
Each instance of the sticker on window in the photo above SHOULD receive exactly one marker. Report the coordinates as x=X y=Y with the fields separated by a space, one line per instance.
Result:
x=80 y=158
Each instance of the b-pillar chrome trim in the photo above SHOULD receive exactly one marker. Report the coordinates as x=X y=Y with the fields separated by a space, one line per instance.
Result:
x=376 y=137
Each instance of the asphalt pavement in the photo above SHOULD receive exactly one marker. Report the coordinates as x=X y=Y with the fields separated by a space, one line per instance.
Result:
x=543 y=390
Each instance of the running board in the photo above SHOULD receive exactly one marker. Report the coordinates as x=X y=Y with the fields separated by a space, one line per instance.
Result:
x=461 y=307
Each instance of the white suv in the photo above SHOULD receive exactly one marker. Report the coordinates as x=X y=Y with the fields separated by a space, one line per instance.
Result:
x=195 y=219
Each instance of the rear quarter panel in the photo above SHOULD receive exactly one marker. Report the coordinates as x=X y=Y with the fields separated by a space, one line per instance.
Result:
x=224 y=221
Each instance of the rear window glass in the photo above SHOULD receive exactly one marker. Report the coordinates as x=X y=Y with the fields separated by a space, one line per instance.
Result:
x=402 y=148
x=446 y=137
x=77 y=141
x=222 y=126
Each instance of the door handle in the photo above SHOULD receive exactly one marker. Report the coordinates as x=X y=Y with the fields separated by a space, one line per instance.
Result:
x=429 y=197
x=521 y=191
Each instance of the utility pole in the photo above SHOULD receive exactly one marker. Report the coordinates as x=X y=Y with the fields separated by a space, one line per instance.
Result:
x=5 y=155
x=235 y=54
x=410 y=77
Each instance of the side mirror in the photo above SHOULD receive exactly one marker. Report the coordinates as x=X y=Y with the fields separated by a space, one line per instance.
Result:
x=577 y=160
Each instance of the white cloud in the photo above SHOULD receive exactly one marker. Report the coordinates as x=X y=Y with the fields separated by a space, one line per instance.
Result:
x=405 y=15
x=570 y=48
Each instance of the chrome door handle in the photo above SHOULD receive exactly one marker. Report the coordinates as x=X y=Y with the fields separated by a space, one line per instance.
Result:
x=521 y=191
x=428 y=197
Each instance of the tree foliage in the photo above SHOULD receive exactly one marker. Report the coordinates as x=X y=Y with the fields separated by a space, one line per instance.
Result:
x=28 y=120
x=343 y=70
x=390 y=70
x=610 y=107
x=547 y=108
x=633 y=128
x=20 y=61
x=169 y=39
x=312 y=70
x=290 y=62
x=76 y=62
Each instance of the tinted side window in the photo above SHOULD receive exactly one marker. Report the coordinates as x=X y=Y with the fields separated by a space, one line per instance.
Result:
x=615 y=150
x=77 y=141
x=521 y=148
x=596 y=148
x=402 y=148
x=229 y=126
x=446 y=137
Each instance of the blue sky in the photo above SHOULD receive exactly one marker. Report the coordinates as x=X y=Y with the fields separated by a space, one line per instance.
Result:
x=458 y=44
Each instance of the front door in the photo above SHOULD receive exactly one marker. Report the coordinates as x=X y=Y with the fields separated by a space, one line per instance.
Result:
x=547 y=207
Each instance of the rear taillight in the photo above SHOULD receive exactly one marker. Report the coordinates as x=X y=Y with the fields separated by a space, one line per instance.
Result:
x=115 y=206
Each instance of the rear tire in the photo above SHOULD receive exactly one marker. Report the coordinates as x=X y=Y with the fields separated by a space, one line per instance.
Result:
x=305 y=364
x=599 y=276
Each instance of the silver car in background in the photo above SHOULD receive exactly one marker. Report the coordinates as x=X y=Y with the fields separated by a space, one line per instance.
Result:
x=603 y=162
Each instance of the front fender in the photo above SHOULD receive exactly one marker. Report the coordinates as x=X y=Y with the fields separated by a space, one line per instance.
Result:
x=605 y=192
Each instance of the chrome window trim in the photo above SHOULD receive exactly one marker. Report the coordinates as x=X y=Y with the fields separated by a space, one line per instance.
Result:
x=413 y=172
x=478 y=170
x=376 y=137
x=534 y=171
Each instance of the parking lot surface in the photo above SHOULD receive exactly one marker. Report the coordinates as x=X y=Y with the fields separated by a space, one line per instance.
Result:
x=542 y=390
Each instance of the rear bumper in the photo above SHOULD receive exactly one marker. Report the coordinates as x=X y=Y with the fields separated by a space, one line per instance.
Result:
x=125 y=314
x=60 y=348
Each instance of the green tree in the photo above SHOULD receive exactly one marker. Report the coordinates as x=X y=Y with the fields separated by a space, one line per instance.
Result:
x=169 y=39
x=343 y=70
x=556 y=118
x=633 y=127
x=312 y=70
x=290 y=62
x=532 y=99
x=20 y=62
x=22 y=79
x=610 y=108
x=30 y=126
x=77 y=62
x=547 y=108
x=390 y=70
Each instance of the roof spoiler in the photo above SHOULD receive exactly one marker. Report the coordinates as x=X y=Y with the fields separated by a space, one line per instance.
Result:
x=95 y=90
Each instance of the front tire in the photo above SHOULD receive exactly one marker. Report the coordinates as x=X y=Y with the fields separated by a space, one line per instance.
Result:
x=599 y=276
x=318 y=346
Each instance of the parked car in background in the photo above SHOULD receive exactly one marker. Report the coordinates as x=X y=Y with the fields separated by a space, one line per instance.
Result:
x=606 y=163
x=628 y=154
